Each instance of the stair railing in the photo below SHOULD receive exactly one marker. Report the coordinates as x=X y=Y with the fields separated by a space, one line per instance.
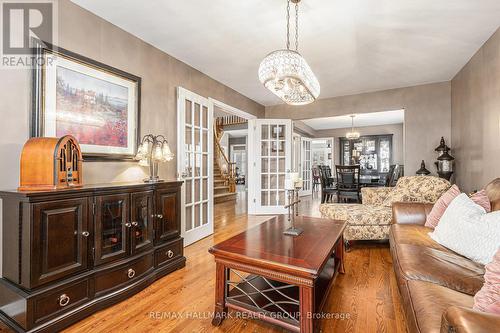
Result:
x=226 y=167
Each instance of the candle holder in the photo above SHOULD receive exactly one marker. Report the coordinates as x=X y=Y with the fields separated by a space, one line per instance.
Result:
x=293 y=210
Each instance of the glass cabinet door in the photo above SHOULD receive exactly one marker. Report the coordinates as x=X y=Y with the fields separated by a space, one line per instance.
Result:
x=142 y=221
x=112 y=227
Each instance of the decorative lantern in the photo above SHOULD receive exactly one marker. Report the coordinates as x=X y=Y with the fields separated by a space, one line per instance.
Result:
x=442 y=147
x=445 y=165
x=423 y=171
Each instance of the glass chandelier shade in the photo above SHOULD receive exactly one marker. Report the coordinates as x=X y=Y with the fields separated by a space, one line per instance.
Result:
x=352 y=135
x=286 y=73
x=288 y=76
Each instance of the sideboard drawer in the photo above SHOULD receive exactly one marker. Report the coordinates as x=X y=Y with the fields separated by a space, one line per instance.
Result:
x=169 y=252
x=62 y=299
x=117 y=277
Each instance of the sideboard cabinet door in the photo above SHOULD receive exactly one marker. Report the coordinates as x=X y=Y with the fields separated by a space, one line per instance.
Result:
x=141 y=215
x=167 y=218
x=60 y=239
x=112 y=226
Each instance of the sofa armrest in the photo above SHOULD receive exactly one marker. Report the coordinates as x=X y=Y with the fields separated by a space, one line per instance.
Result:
x=410 y=212
x=463 y=320
x=374 y=195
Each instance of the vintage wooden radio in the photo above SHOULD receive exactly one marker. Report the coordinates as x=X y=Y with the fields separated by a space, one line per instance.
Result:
x=51 y=163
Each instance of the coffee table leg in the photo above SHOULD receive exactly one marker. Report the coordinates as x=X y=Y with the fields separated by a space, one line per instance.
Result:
x=220 y=294
x=306 y=302
x=339 y=254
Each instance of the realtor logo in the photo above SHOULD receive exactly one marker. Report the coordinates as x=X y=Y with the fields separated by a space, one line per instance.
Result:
x=22 y=21
x=26 y=24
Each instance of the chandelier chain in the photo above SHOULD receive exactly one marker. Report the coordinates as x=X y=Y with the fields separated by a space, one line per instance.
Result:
x=297 y=26
x=288 y=25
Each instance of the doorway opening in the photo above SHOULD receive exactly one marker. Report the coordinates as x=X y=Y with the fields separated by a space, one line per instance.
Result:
x=230 y=166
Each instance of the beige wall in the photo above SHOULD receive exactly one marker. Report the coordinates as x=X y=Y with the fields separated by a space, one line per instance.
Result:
x=85 y=33
x=475 y=117
x=427 y=115
x=397 y=139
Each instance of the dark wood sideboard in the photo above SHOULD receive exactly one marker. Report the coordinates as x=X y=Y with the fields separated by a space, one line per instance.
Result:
x=68 y=253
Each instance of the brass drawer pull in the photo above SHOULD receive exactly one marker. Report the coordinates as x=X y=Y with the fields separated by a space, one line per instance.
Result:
x=128 y=224
x=85 y=234
x=160 y=216
x=130 y=273
x=63 y=300
x=170 y=253
x=135 y=224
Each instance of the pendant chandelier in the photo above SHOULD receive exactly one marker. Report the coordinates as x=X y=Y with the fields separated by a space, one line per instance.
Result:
x=352 y=135
x=286 y=73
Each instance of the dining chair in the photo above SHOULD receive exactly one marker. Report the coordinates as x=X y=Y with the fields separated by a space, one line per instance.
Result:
x=328 y=187
x=348 y=185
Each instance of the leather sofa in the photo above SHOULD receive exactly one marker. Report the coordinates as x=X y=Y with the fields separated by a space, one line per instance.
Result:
x=437 y=285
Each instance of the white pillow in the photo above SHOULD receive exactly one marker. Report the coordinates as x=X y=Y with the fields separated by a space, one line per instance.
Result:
x=467 y=229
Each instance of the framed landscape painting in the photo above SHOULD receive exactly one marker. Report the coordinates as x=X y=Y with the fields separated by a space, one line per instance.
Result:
x=99 y=105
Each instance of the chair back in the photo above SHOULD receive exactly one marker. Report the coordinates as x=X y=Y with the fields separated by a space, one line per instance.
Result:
x=390 y=176
x=315 y=171
x=325 y=180
x=347 y=177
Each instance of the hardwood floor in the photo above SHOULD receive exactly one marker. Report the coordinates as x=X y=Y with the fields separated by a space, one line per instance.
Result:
x=365 y=298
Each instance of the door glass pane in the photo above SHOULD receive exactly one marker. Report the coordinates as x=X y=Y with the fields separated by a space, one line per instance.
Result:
x=197 y=192
x=188 y=138
x=205 y=117
x=264 y=200
x=205 y=140
x=189 y=187
x=265 y=132
x=188 y=112
x=265 y=148
x=197 y=115
x=205 y=189
x=265 y=181
x=197 y=216
x=112 y=235
x=189 y=218
x=205 y=213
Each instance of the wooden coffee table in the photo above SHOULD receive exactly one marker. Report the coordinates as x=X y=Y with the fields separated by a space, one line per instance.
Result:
x=277 y=278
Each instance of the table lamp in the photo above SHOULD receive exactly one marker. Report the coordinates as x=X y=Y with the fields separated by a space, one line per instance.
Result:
x=152 y=150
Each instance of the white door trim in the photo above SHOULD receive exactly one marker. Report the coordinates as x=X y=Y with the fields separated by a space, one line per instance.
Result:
x=231 y=109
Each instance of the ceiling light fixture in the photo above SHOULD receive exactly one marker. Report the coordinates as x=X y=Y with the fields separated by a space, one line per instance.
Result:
x=352 y=135
x=286 y=73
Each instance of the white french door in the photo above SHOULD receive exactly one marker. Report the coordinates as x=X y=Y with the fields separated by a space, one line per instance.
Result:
x=306 y=166
x=270 y=157
x=195 y=164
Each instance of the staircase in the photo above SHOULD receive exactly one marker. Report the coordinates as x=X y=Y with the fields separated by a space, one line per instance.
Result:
x=224 y=169
x=221 y=188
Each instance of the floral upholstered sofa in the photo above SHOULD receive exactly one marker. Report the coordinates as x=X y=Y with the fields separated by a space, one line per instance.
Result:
x=372 y=219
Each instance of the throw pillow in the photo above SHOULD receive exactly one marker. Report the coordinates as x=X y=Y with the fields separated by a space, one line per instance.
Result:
x=467 y=229
x=482 y=200
x=440 y=206
x=488 y=298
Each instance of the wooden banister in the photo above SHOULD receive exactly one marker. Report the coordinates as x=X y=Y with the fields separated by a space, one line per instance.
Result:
x=226 y=167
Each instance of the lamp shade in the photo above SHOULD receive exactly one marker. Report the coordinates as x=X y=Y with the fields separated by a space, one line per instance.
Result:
x=167 y=153
x=288 y=76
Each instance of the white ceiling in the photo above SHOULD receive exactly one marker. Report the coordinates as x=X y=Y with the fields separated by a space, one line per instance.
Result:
x=361 y=120
x=353 y=46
